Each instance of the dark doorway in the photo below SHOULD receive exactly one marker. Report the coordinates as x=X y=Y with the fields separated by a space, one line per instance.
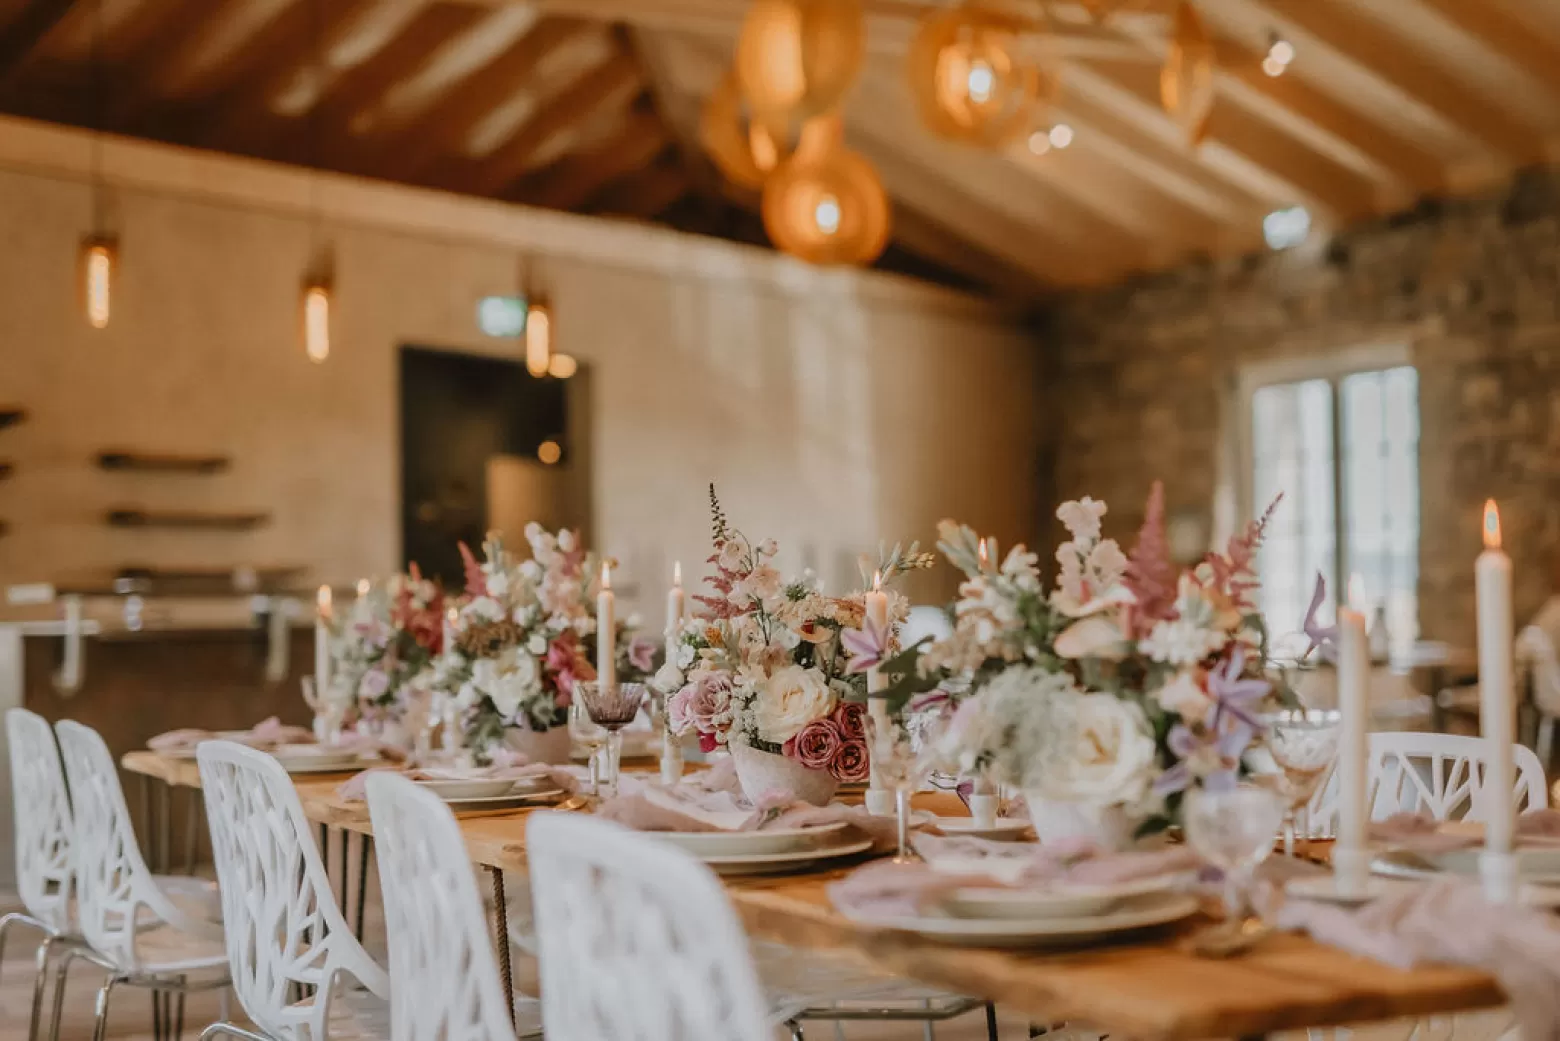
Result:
x=459 y=412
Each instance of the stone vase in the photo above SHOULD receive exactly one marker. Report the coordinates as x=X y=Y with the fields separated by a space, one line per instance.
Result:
x=1108 y=826
x=762 y=772
x=540 y=746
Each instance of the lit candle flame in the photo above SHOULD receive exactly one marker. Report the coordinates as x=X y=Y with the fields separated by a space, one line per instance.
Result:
x=985 y=557
x=677 y=574
x=1491 y=525
x=1357 y=591
x=606 y=575
x=322 y=600
x=877 y=581
x=362 y=587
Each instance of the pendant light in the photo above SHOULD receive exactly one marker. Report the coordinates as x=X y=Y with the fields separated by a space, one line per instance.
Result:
x=538 y=323
x=99 y=252
x=976 y=76
x=318 y=290
x=797 y=58
x=826 y=204
x=745 y=147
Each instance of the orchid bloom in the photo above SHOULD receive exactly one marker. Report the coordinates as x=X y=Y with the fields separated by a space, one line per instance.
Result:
x=1323 y=640
x=867 y=646
x=1211 y=755
x=1233 y=695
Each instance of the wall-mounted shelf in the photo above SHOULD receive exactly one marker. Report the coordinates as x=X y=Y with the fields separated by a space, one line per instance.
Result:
x=130 y=517
x=161 y=462
x=10 y=415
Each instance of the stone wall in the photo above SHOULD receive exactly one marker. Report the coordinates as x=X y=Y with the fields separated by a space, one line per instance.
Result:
x=1141 y=376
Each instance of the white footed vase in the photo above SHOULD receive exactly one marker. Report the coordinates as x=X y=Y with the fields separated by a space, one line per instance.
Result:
x=1107 y=825
x=540 y=746
x=761 y=773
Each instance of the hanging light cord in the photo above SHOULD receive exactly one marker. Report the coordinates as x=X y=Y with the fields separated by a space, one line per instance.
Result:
x=96 y=116
x=315 y=129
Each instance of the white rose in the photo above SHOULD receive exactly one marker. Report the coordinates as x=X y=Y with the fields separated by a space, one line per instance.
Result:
x=668 y=679
x=792 y=698
x=507 y=680
x=1113 y=757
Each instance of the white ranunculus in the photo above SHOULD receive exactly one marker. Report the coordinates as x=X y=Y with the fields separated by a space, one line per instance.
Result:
x=792 y=698
x=507 y=680
x=1112 y=760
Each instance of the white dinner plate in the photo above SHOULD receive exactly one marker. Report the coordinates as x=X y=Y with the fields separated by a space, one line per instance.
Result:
x=777 y=863
x=1534 y=866
x=1003 y=831
x=751 y=843
x=456 y=788
x=1059 y=901
x=510 y=800
x=1141 y=912
x=297 y=759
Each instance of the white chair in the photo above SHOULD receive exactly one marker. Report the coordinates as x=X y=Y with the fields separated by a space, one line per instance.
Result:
x=1536 y=657
x=133 y=930
x=285 y=935
x=1438 y=774
x=43 y=825
x=637 y=939
x=443 y=973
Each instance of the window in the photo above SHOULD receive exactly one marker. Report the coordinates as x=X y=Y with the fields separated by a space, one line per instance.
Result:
x=1343 y=448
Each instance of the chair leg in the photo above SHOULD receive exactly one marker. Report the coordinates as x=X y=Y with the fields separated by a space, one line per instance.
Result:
x=40 y=983
x=991 y=1022
x=100 y=1026
x=5 y=927
x=795 y=1028
x=60 y=976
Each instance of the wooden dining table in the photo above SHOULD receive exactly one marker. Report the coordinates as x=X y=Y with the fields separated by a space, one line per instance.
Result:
x=1148 y=987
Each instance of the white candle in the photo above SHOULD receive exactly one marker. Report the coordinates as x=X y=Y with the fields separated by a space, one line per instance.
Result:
x=606 y=632
x=674 y=613
x=1497 y=706
x=880 y=801
x=877 y=616
x=322 y=643
x=1351 y=856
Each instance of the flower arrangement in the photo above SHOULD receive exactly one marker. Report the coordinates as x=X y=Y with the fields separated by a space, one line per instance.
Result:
x=1127 y=684
x=383 y=651
x=763 y=663
x=525 y=633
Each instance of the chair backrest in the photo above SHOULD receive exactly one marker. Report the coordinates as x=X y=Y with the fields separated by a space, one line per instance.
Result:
x=1441 y=775
x=115 y=893
x=1536 y=652
x=281 y=919
x=444 y=980
x=637 y=939
x=43 y=823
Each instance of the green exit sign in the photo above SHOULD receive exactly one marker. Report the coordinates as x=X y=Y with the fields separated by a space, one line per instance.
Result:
x=502 y=317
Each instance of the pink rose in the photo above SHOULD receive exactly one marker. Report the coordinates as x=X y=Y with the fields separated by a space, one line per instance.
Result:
x=641 y=654
x=703 y=705
x=851 y=764
x=816 y=745
x=851 y=717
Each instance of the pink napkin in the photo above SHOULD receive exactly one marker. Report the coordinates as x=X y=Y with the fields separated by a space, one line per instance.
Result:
x=1420 y=833
x=179 y=740
x=353 y=788
x=889 y=890
x=1449 y=921
x=273 y=731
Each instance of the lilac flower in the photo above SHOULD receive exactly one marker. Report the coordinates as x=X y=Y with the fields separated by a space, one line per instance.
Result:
x=1233 y=695
x=1322 y=639
x=1212 y=756
x=867 y=646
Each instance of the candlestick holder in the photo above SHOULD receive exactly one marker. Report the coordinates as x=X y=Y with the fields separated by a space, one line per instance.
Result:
x=1351 y=871
x=1498 y=871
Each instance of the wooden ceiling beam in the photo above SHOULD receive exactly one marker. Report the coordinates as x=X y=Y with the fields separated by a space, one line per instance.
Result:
x=1390 y=60
x=1238 y=143
x=445 y=126
x=647 y=193
x=1506 y=36
x=178 y=37
x=27 y=29
x=613 y=80
x=571 y=181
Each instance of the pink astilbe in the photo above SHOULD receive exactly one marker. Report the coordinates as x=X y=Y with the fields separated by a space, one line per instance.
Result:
x=476 y=581
x=1235 y=571
x=1150 y=574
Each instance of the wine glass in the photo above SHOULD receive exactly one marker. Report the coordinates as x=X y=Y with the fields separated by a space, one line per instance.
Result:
x=1304 y=744
x=611 y=708
x=584 y=731
x=900 y=764
x=1233 y=830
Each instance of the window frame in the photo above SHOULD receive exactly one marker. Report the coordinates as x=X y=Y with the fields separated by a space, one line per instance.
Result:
x=1334 y=367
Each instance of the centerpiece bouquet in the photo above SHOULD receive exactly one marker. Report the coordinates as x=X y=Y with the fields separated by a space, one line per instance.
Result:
x=1110 y=696
x=762 y=670
x=382 y=657
x=523 y=637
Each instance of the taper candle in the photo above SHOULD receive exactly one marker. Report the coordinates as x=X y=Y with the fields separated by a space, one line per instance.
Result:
x=674 y=612
x=879 y=800
x=322 y=609
x=606 y=630
x=1351 y=855
x=1497 y=710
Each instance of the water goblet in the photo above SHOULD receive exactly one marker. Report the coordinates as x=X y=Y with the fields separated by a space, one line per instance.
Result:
x=612 y=708
x=1233 y=830
x=1304 y=743
x=900 y=763
x=587 y=734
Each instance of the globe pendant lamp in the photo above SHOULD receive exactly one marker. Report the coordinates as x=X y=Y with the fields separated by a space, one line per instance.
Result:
x=826 y=203
x=797 y=58
x=744 y=148
x=976 y=75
